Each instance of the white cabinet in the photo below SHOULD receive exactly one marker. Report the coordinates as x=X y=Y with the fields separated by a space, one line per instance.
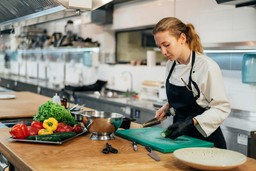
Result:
x=141 y=13
x=217 y=23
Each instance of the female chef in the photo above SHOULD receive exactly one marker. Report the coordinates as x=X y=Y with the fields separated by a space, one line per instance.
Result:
x=194 y=84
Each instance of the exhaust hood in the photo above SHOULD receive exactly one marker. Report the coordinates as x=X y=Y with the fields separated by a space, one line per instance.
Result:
x=238 y=3
x=28 y=12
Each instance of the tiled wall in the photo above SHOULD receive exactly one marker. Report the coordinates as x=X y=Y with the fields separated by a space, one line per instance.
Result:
x=242 y=96
x=228 y=61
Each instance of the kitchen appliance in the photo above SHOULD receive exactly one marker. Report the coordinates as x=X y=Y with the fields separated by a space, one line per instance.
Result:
x=151 y=90
x=151 y=137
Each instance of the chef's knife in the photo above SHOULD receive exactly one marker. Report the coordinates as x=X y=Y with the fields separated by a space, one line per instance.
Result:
x=152 y=154
x=154 y=121
x=151 y=122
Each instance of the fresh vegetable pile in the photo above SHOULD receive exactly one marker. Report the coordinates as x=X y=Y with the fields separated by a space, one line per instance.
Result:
x=54 y=110
x=49 y=130
x=52 y=123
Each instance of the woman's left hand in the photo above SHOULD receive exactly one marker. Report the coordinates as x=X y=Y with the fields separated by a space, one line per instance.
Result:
x=180 y=128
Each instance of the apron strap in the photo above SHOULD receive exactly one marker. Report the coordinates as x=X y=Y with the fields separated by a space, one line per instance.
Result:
x=190 y=78
x=173 y=65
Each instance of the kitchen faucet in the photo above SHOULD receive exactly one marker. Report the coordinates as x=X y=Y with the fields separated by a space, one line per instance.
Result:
x=131 y=80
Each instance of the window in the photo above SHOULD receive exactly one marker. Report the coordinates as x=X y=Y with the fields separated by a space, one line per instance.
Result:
x=132 y=45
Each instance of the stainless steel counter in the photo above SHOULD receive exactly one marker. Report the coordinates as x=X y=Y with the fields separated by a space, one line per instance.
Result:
x=146 y=104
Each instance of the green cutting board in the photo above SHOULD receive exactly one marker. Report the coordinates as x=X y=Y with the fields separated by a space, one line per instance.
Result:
x=151 y=136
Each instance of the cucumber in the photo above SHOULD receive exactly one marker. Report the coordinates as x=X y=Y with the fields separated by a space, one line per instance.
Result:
x=32 y=137
x=64 y=135
x=49 y=137
x=166 y=133
x=55 y=137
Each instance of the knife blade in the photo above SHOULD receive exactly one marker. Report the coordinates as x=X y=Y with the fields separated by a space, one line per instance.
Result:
x=154 y=121
x=152 y=154
x=151 y=122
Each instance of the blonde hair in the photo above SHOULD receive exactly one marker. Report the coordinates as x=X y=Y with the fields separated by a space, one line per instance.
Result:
x=176 y=27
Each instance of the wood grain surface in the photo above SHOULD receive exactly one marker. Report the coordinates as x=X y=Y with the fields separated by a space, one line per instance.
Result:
x=82 y=153
x=24 y=105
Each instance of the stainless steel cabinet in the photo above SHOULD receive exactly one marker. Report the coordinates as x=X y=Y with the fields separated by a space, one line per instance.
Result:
x=240 y=133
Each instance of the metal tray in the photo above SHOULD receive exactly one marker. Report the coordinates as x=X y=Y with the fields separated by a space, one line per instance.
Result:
x=47 y=142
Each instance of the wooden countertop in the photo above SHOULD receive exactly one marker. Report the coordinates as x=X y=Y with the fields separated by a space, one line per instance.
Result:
x=24 y=105
x=82 y=153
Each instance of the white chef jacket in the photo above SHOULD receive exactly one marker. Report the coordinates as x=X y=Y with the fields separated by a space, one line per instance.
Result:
x=207 y=75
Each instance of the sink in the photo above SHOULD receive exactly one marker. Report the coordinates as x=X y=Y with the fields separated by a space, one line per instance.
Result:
x=109 y=94
x=2 y=125
x=10 y=123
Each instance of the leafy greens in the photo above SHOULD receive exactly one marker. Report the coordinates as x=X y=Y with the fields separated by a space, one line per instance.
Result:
x=50 y=109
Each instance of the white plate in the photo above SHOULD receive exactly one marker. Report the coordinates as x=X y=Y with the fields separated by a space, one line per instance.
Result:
x=7 y=96
x=210 y=158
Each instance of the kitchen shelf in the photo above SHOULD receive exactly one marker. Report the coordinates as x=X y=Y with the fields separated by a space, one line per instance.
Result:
x=43 y=63
x=230 y=51
x=58 y=50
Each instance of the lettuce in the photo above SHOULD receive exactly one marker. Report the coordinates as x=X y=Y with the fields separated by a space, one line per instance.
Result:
x=50 y=109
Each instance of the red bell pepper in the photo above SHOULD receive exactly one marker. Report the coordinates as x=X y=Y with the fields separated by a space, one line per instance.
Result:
x=19 y=131
x=37 y=124
x=35 y=127
x=32 y=130
x=77 y=128
x=62 y=127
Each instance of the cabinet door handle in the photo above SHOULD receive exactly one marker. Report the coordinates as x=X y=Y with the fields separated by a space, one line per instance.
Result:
x=3 y=162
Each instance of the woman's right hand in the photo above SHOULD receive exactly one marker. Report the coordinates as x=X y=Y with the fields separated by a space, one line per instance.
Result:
x=161 y=113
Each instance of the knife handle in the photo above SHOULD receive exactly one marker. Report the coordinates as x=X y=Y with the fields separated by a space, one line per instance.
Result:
x=135 y=146
x=149 y=149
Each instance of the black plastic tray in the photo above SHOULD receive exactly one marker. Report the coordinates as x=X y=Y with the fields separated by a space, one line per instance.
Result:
x=47 y=142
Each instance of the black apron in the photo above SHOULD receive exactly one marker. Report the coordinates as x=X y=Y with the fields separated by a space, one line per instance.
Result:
x=183 y=101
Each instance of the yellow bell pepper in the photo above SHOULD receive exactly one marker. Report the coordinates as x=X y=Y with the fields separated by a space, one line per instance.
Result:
x=45 y=132
x=50 y=124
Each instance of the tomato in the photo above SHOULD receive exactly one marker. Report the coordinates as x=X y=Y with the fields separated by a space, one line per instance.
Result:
x=37 y=124
x=32 y=130
x=62 y=127
x=19 y=131
x=62 y=124
x=78 y=128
